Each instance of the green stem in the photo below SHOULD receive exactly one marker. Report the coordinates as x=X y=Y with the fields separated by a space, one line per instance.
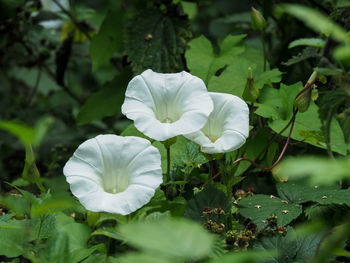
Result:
x=264 y=49
x=168 y=164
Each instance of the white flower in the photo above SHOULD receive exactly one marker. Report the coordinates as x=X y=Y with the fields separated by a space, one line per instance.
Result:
x=114 y=174
x=227 y=127
x=166 y=105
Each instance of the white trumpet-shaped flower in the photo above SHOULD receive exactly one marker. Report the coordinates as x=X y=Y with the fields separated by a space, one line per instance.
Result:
x=114 y=174
x=227 y=127
x=163 y=106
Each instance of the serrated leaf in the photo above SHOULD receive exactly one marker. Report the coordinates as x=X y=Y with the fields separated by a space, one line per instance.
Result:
x=109 y=39
x=105 y=102
x=176 y=238
x=291 y=248
x=324 y=195
x=202 y=60
x=154 y=40
x=306 y=53
x=208 y=197
x=315 y=42
x=259 y=207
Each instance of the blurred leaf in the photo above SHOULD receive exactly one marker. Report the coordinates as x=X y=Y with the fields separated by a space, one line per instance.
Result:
x=317 y=21
x=342 y=53
x=318 y=170
x=53 y=205
x=80 y=254
x=155 y=40
x=190 y=9
x=14 y=234
x=105 y=102
x=41 y=128
x=146 y=257
x=202 y=60
x=259 y=207
x=241 y=257
x=109 y=38
x=300 y=193
x=23 y=132
x=176 y=238
x=16 y=204
x=209 y=197
x=328 y=71
x=315 y=42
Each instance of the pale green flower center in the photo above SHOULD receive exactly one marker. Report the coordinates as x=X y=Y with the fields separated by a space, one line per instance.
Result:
x=116 y=181
x=213 y=129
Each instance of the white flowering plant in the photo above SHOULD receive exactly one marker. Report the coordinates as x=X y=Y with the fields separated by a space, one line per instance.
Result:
x=174 y=131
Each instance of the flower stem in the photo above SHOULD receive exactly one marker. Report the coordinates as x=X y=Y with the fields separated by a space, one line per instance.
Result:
x=168 y=164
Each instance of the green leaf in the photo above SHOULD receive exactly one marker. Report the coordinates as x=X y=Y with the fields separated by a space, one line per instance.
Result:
x=291 y=248
x=316 y=169
x=342 y=53
x=202 y=60
x=16 y=204
x=233 y=79
x=14 y=235
x=190 y=9
x=109 y=39
x=134 y=257
x=241 y=257
x=315 y=42
x=208 y=197
x=105 y=102
x=278 y=105
x=57 y=248
x=317 y=21
x=306 y=53
x=259 y=207
x=77 y=233
x=132 y=131
x=23 y=132
x=329 y=71
x=254 y=145
x=324 y=195
x=176 y=238
x=156 y=40
x=110 y=232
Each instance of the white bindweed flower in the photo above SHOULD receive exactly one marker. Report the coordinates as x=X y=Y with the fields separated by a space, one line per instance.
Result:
x=227 y=127
x=114 y=174
x=163 y=106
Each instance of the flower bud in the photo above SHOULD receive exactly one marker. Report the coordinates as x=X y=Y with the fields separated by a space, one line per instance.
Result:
x=251 y=92
x=258 y=21
x=302 y=102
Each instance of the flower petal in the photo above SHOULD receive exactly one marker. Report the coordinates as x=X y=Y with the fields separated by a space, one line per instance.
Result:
x=227 y=127
x=166 y=105
x=109 y=167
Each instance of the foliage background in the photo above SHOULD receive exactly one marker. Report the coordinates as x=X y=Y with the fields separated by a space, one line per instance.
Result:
x=64 y=68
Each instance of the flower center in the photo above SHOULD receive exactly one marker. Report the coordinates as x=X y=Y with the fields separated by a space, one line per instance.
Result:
x=116 y=182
